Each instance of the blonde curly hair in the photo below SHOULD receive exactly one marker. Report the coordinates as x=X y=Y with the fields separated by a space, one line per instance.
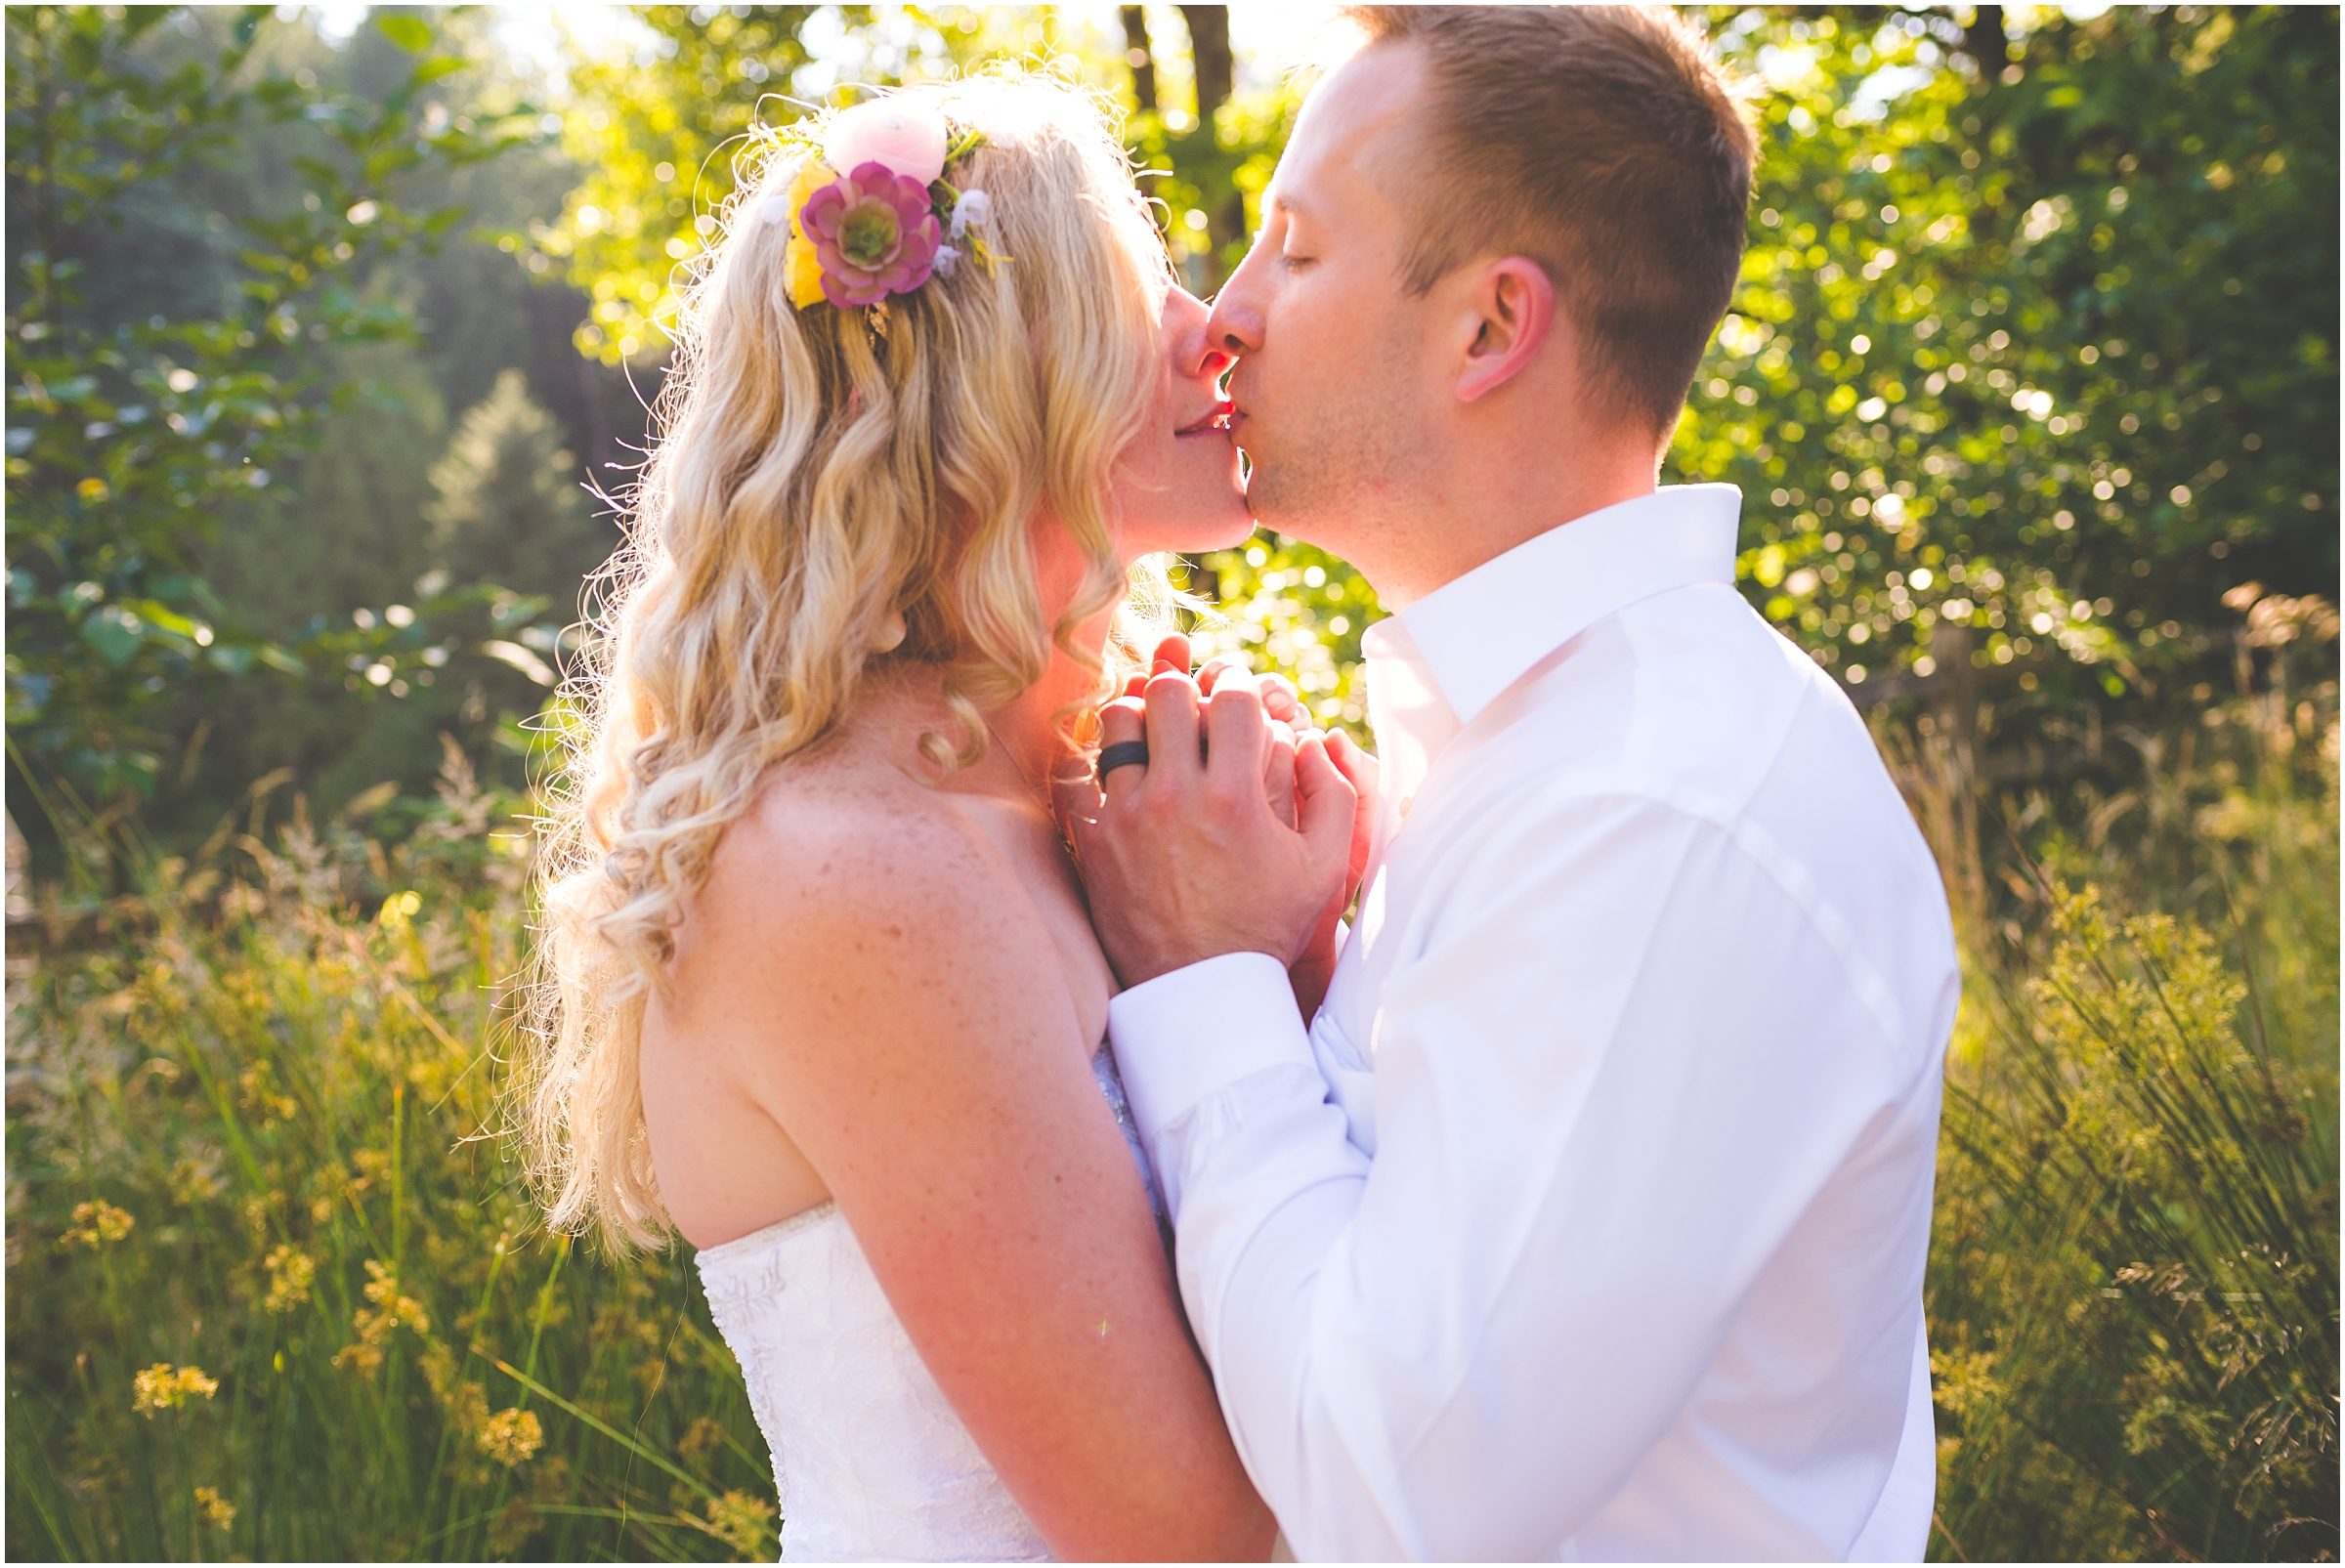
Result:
x=821 y=472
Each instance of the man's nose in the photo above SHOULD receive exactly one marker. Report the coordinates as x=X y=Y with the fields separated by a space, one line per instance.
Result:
x=1193 y=349
x=1235 y=326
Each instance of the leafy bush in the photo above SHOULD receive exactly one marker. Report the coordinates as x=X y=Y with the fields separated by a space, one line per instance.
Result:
x=130 y=438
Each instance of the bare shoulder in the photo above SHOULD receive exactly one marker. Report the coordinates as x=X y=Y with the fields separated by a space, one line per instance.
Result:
x=844 y=857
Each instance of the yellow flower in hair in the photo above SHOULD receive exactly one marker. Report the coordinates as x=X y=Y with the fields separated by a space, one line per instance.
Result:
x=802 y=268
x=801 y=265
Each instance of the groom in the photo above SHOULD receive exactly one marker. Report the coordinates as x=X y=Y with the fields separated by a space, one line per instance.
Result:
x=1587 y=1218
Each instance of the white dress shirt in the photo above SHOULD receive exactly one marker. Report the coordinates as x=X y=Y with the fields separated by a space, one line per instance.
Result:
x=1587 y=1219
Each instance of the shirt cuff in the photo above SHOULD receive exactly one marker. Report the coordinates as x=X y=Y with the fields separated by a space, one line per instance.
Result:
x=1187 y=1035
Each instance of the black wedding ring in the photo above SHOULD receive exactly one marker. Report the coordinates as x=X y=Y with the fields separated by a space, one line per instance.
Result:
x=1123 y=753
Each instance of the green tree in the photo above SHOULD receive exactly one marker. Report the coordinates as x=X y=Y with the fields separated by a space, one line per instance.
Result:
x=655 y=132
x=660 y=130
x=130 y=439
x=2039 y=350
x=2033 y=361
x=506 y=504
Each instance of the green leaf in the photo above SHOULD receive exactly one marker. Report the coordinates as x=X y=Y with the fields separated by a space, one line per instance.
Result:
x=82 y=55
x=409 y=33
x=114 y=633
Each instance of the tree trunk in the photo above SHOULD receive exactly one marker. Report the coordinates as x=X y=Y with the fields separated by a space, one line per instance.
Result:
x=1984 y=41
x=1136 y=55
x=1209 y=46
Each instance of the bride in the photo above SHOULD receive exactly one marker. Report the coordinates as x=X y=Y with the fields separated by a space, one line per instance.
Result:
x=821 y=992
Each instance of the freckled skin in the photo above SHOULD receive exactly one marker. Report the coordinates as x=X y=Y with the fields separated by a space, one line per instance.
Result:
x=888 y=992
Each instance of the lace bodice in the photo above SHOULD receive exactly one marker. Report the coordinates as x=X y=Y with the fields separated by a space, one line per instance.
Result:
x=869 y=1462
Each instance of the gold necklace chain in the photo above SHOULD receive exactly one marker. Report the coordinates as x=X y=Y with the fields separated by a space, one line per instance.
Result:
x=1047 y=798
x=1011 y=752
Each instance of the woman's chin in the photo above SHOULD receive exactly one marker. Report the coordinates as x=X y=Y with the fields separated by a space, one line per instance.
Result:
x=1216 y=520
x=1224 y=527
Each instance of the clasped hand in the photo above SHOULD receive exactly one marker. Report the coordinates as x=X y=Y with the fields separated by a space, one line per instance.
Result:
x=1245 y=831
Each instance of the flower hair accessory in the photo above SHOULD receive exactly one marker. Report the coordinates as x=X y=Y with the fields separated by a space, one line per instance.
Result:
x=890 y=220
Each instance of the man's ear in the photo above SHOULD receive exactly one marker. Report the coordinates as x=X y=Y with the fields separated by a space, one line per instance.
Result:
x=1516 y=302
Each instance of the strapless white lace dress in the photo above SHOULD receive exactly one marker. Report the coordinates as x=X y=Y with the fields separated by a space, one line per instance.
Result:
x=869 y=1462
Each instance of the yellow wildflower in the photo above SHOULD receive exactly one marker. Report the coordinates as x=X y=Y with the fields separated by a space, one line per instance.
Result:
x=802 y=273
x=290 y=1273
x=391 y=1310
x=191 y=1183
x=94 y=1224
x=163 y=1386
x=361 y=1358
x=259 y=1084
x=511 y=1436
x=467 y=1407
x=738 y=1520
x=213 y=1509
x=701 y=1440
x=515 y=1524
x=397 y=1309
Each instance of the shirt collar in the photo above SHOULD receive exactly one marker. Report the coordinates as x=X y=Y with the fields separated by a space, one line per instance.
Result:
x=1480 y=633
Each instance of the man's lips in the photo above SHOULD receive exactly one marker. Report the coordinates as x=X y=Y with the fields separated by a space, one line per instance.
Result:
x=1216 y=422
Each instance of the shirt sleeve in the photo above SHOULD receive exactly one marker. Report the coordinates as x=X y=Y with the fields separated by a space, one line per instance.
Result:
x=1617 y=1063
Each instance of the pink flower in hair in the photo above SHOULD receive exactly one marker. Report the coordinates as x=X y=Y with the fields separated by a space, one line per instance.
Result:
x=873 y=233
x=903 y=133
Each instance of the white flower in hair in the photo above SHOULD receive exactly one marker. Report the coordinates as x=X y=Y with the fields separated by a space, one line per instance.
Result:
x=970 y=212
x=773 y=209
x=946 y=259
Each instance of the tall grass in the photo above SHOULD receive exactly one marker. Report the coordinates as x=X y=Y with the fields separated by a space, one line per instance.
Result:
x=275 y=1288
x=2134 y=1283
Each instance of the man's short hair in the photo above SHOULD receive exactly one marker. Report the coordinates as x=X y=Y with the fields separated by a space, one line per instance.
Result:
x=1602 y=142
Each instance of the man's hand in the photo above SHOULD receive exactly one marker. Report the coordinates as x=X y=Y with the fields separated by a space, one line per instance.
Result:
x=1186 y=858
x=1283 y=704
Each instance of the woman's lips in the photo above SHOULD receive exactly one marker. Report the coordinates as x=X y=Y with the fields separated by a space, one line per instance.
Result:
x=1215 y=423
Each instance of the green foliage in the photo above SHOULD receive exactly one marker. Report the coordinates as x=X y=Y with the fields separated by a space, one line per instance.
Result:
x=660 y=132
x=2030 y=367
x=281 y=1068
x=2133 y=1284
x=2032 y=372
x=275 y=1287
x=1209 y=176
x=1292 y=608
x=130 y=439
x=656 y=135
x=506 y=506
x=2045 y=354
x=2136 y=1290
